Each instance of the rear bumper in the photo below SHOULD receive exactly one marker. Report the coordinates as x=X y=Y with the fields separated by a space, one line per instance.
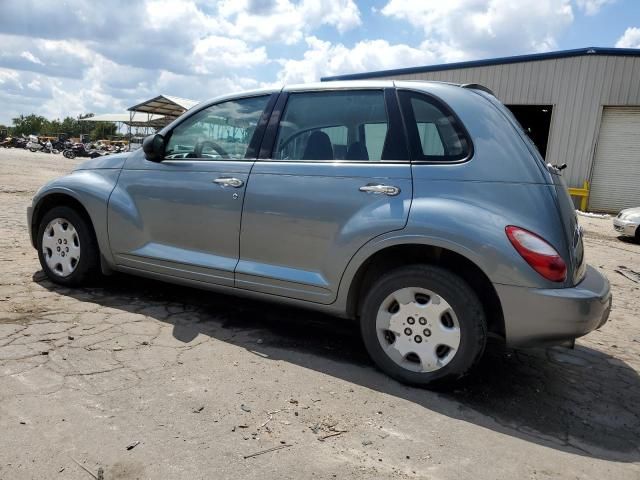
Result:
x=625 y=227
x=553 y=316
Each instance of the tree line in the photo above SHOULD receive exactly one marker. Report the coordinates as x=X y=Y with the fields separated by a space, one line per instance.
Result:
x=71 y=127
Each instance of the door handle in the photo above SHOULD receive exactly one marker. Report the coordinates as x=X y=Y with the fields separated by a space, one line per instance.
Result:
x=229 y=182
x=380 y=189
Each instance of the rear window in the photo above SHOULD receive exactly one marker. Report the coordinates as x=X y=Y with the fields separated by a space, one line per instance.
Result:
x=435 y=134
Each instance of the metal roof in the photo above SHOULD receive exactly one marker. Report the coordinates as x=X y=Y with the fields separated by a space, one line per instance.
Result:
x=620 y=52
x=132 y=118
x=165 y=105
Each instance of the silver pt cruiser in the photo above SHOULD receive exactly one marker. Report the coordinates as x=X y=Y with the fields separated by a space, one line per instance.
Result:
x=421 y=210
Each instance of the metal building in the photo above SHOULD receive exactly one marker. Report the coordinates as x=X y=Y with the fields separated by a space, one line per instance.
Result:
x=581 y=107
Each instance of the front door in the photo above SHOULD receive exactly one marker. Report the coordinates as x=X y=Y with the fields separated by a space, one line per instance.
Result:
x=337 y=176
x=181 y=217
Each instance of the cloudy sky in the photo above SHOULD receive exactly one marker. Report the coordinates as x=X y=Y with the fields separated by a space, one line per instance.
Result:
x=61 y=58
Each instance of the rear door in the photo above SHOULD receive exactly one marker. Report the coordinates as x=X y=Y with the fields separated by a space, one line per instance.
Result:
x=334 y=174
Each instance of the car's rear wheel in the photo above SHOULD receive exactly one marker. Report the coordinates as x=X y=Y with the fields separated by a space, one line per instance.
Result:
x=67 y=247
x=423 y=325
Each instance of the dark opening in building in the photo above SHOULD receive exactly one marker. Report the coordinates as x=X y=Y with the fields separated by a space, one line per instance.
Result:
x=536 y=121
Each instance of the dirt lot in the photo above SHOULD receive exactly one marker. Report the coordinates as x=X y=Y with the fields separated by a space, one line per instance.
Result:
x=201 y=380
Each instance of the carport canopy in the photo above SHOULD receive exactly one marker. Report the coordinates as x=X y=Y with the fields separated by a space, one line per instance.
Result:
x=131 y=119
x=165 y=105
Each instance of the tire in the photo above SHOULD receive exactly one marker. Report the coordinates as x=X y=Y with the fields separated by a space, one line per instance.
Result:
x=33 y=150
x=447 y=310
x=60 y=266
x=70 y=154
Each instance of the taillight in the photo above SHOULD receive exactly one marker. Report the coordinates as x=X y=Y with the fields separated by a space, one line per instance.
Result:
x=541 y=256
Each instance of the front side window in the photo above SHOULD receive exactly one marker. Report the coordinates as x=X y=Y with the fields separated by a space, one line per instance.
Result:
x=221 y=131
x=435 y=134
x=333 y=125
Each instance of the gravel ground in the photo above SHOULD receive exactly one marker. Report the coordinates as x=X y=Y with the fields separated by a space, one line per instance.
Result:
x=201 y=380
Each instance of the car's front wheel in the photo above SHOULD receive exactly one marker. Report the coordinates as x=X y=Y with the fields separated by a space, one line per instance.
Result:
x=67 y=247
x=423 y=325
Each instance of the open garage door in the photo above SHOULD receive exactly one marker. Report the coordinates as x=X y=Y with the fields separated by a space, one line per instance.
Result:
x=615 y=183
x=536 y=121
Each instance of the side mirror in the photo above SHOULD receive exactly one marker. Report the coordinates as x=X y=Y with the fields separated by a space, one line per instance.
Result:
x=153 y=147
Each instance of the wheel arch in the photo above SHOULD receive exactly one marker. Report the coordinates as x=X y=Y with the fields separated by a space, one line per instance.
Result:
x=402 y=254
x=52 y=200
x=66 y=197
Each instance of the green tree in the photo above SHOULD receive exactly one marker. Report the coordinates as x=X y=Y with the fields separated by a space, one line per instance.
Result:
x=30 y=124
x=103 y=130
x=70 y=126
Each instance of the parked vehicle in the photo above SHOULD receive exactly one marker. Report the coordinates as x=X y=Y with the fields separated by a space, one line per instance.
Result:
x=15 y=142
x=45 y=147
x=420 y=209
x=80 y=150
x=627 y=223
x=60 y=145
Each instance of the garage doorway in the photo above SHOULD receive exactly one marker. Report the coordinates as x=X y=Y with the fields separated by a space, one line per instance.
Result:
x=536 y=121
x=615 y=181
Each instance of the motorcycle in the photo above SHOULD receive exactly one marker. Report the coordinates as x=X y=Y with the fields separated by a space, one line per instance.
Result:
x=60 y=145
x=14 y=142
x=80 y=150
x=41 y=147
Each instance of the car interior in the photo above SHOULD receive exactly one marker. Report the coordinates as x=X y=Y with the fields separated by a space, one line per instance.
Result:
x=333 y=126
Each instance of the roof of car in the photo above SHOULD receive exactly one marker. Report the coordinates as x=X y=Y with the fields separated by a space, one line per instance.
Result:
x=332 y=85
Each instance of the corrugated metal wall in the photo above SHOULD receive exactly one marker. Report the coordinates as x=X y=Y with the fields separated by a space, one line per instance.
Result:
x=577 y=87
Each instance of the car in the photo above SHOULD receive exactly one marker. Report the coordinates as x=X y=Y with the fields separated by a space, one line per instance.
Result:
x=627 y=223
x=420 y=210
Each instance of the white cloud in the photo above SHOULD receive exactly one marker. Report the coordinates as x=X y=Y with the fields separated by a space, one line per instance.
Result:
x=462 y=29
x=7 y=76
x=324 y=59
x=630 y=38
x=31 y=57
x=284 y=21
x=214 y=54
x=592 y=7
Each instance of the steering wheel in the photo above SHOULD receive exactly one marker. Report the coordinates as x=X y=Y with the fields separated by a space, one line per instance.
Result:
x=200 y=146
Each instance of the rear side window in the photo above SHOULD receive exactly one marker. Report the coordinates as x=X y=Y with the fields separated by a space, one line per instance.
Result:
x=435 y=134
x=333 y=125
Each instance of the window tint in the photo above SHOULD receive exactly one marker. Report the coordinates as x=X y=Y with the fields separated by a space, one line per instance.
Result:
x=375 y=135
x=430 y=139
x=221 y=131
x=434 y=133
x=338 y=125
